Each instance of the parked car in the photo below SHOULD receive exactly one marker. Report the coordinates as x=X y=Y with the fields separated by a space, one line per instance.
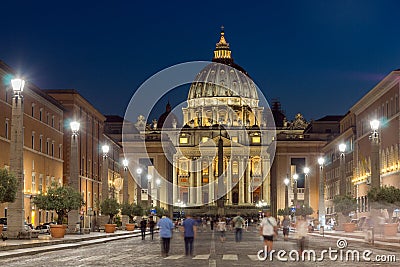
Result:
x=3 y=221
x=44 y=229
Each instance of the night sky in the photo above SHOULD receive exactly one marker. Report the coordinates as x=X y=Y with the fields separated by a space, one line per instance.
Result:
x=317 y=57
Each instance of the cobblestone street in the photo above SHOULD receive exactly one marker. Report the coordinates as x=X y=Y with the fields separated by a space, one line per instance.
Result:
x=209 y=251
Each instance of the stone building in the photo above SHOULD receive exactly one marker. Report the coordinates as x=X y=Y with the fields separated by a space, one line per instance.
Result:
x=43 y=142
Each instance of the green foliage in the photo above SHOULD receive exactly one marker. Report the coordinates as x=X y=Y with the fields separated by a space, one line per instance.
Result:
x=285 y=211
x=118 y=221
x=304 y=211
x=61 y=199
x=386 y=197
x=345 y=204
x=128 y=209
x=110 y=207
x=160 y=211
x=8 y=186
x=138 y=210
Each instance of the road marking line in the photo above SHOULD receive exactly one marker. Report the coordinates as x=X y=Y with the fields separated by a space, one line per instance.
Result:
x=147 y=257
x=174 y=257
x=202 y=257
x=253 y=257
x=230 y=257
x=212 y=263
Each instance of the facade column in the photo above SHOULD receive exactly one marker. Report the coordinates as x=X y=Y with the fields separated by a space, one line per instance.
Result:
x=249 y=188
x=266 y=180
x=191 y=181
x=174 y=181
x=199 y=191
x=229 y=182
x=16 y=212
x=211 y=185
x=242 y=175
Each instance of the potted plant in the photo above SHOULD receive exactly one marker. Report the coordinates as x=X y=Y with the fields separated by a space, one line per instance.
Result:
x=61 y=199
x=127 y=209
x=8 y=189
x=345 y=204
x=304 y=211
x=285 y=212
x=110 y=207
x=386 y=197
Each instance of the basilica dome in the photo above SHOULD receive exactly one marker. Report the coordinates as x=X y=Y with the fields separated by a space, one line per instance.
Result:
x=222 y=81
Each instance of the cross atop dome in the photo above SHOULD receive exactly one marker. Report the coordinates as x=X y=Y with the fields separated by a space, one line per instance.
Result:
x=222 y=52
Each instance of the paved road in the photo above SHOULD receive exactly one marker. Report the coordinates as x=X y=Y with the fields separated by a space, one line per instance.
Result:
x=209 y=251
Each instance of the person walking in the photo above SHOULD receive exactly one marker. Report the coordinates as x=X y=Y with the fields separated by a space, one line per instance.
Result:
x=238 y=222
x=221 y=227
x=152 y=224
x=301 y=233
x=143 y=225
x=285 y=226
x=166 y=227
x=189 y=226
x=268 y=229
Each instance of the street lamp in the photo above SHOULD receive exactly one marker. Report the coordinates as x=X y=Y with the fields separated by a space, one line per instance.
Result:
x=295 y=177
x=105 y=191
x=286 y=182
x=139 y=184
x=16 y=214
x=342 y=185
x=149 y=176
x=375 y=170
x=321 y=204
x=125 y=197
x=306 y=186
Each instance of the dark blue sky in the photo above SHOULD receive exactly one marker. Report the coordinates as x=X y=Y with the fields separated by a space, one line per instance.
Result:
x=317 y=57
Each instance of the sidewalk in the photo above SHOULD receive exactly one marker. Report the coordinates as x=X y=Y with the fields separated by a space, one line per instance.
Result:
x=360 y=236
x=13 y=248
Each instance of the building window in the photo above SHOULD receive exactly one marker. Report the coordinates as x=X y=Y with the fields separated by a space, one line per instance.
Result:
x=47 y=181
x=40 y=183
x=6 y=133
x=47 y=118
x=256 y=139
x=204 y=139
x=52 y=121
x=33 y=183
x=40 y=114
x=47 y=147
x=33 y=110
x=52 y=149
x=41 y=143
x=234 y=139
x=33 y=140
x=183 y=140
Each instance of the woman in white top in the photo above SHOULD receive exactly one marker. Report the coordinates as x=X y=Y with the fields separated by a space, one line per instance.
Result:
x=268 y=228
x=221 y=227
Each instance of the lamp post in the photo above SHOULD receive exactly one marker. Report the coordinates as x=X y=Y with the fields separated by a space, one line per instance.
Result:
x=149 y=177
x=321 y=204
x=125 y=195
x=342 y=185
x=306 y=186
x=286 y=182
x=375 y=170
x=105 y=192
x=139 y=184
x=73 y=215
x=295 y=177
x=16 y=212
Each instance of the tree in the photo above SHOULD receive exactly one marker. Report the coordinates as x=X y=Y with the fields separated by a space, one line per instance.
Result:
x=8 y=186
x=137 y=210
x=128 y=209
x=345 y=204
x=110 y=207
x=284 y=212
x=386 y=197
x=61 y=199
x=160 y=211
x=304 y=211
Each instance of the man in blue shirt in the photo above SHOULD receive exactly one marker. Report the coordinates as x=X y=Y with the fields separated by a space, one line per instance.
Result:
x=165 y=226
x=189 y=233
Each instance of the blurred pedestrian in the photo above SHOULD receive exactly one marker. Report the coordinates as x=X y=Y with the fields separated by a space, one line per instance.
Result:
x=238 y=222
x=189 y=226
x=166 y=226
x=301 y=233
x=268 y=228
x=152 y=223
x=286 y=227
x=143 y=225
x=221 y=228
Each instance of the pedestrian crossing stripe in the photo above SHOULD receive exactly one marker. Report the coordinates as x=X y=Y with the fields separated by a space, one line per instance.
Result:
x=147 y=257
x=202 y=257
x=230 y=257
x=253 y=257
x=174 y=257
